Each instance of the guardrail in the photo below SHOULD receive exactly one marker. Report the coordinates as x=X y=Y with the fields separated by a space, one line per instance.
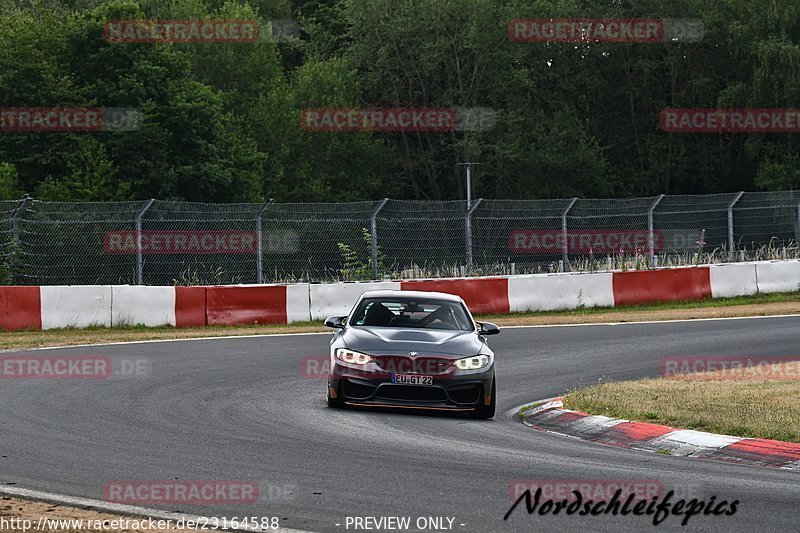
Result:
x=49 y=307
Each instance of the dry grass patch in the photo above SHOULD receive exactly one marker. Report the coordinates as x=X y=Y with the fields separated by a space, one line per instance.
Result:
x=19 y=509
x=18 y=340
x=747 y=407
x=621 y=314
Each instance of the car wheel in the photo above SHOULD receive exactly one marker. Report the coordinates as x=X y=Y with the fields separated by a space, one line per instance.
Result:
x=487 y=411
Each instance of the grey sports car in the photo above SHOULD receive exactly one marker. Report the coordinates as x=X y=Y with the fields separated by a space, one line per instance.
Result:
x=412 y=350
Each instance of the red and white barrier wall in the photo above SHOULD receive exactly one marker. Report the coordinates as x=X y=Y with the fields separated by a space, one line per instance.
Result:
x=49 y=307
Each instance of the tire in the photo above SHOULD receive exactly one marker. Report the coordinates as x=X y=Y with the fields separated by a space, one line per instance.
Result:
x=487 y=411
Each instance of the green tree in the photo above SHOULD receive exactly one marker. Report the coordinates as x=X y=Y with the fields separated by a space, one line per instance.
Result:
x=9 y=182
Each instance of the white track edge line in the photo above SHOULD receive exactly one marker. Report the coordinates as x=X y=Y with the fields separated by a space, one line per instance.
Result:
x=150 y=341
x=649 y=321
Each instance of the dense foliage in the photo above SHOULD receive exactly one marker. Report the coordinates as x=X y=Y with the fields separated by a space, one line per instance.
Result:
x=221 y=121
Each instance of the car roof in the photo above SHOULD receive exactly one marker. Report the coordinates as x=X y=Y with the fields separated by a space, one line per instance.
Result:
x=412 y=294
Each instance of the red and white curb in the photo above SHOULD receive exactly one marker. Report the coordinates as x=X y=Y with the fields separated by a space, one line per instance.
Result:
x=552 y=417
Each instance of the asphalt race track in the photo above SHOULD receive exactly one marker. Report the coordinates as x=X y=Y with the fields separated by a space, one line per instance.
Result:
x=240 y=409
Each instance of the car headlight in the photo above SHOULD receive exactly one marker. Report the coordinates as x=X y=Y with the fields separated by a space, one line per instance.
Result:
x=352 y=357
x=472 y=363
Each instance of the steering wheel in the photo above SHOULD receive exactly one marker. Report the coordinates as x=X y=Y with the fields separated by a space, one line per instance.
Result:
x=436 y=315
x=443 y=325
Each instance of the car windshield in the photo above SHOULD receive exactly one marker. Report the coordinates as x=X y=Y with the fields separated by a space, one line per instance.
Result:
x=403 y=312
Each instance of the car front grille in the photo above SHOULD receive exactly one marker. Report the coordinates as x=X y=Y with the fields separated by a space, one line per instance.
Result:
x=411 y=393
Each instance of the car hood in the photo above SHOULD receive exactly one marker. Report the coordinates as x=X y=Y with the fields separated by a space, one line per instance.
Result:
x=383 y=341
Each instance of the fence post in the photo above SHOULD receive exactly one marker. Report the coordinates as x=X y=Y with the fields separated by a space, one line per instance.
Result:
x=468 y=219
x=139 y=265
x=797 y=229
x=650 y=238
x=373 y=229
x=468 y=226
x=564 y=245
x=730 y=224
x=15 y=217
x=259 y=245
x=15 y=236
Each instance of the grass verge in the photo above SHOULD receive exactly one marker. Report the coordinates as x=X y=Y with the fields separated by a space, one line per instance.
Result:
x=694 y=305
x=748 y=405
x=526 y=408
x=757 y=305
x=18 y=340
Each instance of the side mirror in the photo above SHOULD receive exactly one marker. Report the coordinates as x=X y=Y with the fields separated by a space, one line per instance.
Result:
x=487 y=328
x=335 y=322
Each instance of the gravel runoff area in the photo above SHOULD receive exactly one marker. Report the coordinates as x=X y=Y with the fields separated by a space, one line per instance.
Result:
x=17 y=515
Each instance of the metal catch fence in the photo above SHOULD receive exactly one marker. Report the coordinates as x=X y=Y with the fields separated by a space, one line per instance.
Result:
x=158 y=242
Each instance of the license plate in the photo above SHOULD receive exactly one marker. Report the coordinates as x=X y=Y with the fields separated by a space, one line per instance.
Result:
x=411 y=379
